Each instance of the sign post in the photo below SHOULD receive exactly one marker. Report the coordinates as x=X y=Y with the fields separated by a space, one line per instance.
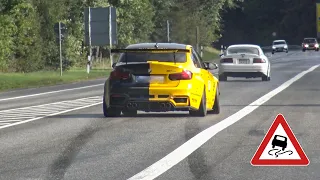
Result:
x=110 y=36
x=60 y=30
x=90 y=49
x=168 y=31
x=60 y=48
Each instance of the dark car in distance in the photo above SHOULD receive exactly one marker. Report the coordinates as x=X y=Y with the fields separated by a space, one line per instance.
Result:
x=310 y=44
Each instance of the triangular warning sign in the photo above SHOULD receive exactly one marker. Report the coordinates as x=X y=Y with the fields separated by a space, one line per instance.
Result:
x=280 y=147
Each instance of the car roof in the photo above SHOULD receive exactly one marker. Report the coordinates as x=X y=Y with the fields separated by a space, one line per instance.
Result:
x=160 y=45
x=310 y=38
x=244 y=45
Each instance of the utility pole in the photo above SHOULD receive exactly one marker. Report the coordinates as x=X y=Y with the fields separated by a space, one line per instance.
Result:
x=110 y=36
x=168 y=31
x=60 y=48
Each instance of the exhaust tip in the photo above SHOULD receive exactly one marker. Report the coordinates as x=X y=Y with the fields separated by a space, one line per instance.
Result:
x=168 y=105
x=162 y=105
x=134 y=105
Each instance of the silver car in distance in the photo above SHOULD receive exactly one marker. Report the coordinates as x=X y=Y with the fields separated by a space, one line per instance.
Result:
x=244 y=60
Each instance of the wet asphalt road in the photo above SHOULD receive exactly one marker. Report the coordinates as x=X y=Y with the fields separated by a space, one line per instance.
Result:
x=82 y=144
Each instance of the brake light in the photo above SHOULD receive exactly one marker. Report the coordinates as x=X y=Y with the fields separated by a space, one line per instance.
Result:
x=184 y=75
x=258 y=60
x=119 y=75
x=226 y=60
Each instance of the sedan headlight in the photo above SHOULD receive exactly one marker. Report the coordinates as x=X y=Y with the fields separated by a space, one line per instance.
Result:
x=317 y=45
x=306 y=45
x=273 y=47
x=285 y=46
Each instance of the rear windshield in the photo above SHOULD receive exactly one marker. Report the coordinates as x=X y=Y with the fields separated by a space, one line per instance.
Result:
x=309 y=40
x=151 y=56
x=247 y=50
x=279 y=42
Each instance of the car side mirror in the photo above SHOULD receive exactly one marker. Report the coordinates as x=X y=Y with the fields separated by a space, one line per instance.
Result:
x=114 y=65
x=210 y=66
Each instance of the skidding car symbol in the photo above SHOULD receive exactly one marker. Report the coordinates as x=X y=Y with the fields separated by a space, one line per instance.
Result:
x=280 y=141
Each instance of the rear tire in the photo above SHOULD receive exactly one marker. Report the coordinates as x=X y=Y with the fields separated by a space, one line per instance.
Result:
x=223 y=77
x=109 y=111
x=216 y=105
x=202 y=111
x=265 y=78
x=129 y=113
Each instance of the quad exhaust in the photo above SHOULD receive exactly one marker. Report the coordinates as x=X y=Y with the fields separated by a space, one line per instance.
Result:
x=132 y=105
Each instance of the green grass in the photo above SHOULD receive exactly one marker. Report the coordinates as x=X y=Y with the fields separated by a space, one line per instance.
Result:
x=10 y=81
x=210 y=54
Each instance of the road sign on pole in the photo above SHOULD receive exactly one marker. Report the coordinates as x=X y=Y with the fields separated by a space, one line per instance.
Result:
x=100 y=26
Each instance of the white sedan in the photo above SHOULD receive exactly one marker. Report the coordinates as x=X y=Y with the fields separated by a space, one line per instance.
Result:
x=244 y=60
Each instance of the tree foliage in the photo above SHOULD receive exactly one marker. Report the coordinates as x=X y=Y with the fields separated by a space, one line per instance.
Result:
x=28 y=41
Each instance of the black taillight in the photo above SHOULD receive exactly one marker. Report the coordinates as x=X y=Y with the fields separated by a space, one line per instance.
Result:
x=226 y=60
x=258 y=60
x=184 y=75
x=119 y=75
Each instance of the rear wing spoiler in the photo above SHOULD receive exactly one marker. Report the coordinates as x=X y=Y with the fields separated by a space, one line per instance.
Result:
x=150 y=50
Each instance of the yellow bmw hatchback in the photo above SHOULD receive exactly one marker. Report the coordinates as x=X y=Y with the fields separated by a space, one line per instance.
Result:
x=160 y=77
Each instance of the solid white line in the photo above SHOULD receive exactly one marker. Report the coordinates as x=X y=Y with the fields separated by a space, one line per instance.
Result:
x=54 y=114
x=50 y=92
x=194 y=143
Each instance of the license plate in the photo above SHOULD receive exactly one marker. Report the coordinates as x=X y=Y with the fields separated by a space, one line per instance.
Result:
x=243 y=61
x=150 y=79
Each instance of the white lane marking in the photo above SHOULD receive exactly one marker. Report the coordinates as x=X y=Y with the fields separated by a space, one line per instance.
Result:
x=50 y=92
x=194 y=143
x=27 y=114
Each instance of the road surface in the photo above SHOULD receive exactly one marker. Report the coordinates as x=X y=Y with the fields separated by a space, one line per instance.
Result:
x=59 y=132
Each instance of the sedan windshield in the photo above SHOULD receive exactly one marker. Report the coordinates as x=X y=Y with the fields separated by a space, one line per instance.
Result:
x=279 y=42
x=309 y=41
